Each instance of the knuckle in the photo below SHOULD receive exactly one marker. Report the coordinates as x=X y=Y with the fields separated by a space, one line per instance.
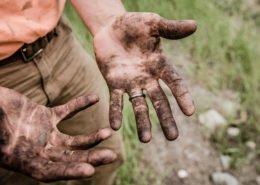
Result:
x=181 y=94
x=115 y=106
x=152 y=87
x=68 y=140
x=65 y=109
x=85 y=100
x=159 y=99
x=141 y=108
x=176 y=84
x=98 y=136
x=78 y=102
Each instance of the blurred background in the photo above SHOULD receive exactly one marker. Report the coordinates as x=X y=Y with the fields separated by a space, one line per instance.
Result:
x=221 y=66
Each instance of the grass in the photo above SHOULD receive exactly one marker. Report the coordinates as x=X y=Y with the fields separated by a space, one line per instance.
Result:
x=226 y=54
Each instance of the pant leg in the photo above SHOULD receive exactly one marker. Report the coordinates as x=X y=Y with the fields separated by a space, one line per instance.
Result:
x=75 y=73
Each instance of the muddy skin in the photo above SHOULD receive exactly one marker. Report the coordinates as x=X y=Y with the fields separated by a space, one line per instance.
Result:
x=30 y=142
x=130 y=57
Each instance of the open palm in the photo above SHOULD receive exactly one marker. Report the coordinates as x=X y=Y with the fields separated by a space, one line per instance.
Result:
x=30 y=142
x=131 y=59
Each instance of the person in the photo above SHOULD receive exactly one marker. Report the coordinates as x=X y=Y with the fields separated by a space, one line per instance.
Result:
x=46 y=78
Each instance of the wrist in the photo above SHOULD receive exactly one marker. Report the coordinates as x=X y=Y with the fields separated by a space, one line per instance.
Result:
x=98 y=15
x=108 y=23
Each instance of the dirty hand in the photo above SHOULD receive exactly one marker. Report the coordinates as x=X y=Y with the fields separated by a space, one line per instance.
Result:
x=130 y=57
x=30 y=142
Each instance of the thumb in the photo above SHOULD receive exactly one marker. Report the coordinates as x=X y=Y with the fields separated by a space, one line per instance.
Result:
x=74 y=106
x=170 y=29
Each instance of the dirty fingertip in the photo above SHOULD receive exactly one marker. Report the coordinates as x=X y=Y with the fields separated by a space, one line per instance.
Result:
x=192 y=25
x=115 y=124
x=186 y=104
x=93 y=98
x=145 y=137
x=190 y=110
x=110 y=156
x=102 y=157
x=171 y=133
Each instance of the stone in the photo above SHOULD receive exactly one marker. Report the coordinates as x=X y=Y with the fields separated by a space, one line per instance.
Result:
x=251 y=145
x=229 y=108
x=220 y=178
x=233 y=131
x=212 y=119
x=183 y=174
x=225 y=161
x=258 y=180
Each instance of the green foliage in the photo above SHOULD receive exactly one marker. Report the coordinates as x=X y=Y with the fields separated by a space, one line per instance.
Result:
x=78 y=27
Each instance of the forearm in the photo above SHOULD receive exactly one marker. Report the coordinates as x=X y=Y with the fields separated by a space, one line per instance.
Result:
x=96 y=14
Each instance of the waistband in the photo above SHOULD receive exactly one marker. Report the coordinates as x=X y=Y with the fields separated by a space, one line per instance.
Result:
x=29 y=51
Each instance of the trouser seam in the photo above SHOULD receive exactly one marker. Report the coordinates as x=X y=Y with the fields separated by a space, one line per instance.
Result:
x=43 y=85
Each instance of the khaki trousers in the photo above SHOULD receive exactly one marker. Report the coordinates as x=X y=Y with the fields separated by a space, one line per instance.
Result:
x=62 y=72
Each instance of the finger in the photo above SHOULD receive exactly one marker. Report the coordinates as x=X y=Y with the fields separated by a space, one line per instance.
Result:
x=179 y=90
x=74 y=106
x=47 y=171
x=95 y=157
x=100 y=156
x=163 y=110
x=142 y=119
x=115 y=110
x=170 y=29
x=84 y=141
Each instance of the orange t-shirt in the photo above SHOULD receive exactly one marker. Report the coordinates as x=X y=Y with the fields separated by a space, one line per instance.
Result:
x=24 y=21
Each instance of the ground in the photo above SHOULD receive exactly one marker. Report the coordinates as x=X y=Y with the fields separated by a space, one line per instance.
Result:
x=193 y=151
